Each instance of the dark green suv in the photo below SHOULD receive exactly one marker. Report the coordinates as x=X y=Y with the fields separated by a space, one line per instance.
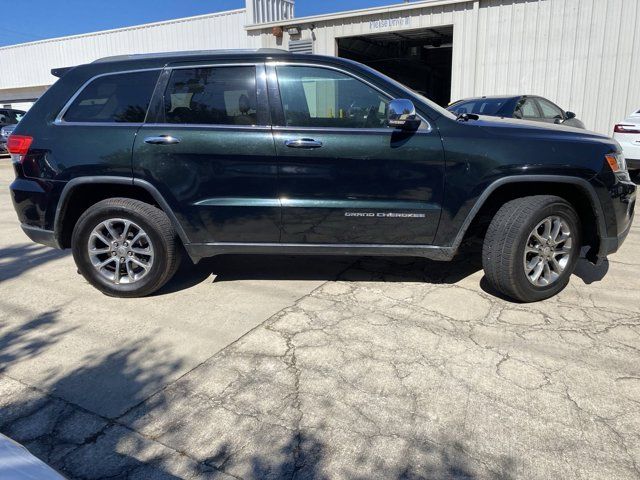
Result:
x=129 y=159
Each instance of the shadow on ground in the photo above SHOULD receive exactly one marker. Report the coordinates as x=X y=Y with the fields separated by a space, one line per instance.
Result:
x=17 y=259
x=74 y=427
x=228 y=268
x=27 y=340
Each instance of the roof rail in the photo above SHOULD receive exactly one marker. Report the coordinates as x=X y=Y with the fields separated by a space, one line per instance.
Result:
x=188 y=53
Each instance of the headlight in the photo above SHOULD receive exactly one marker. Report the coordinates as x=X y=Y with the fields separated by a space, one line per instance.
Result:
x=616 y=161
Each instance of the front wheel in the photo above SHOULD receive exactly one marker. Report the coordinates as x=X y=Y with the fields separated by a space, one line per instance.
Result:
x=531 y=247
x=125 y=248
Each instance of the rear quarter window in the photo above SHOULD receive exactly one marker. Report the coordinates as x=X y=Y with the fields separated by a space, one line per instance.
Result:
x=119 y=98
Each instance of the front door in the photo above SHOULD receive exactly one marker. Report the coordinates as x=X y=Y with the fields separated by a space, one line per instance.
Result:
x=344 y=176
x=209 y=151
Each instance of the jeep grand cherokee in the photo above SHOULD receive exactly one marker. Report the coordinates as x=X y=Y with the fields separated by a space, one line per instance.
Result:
x=128 y=159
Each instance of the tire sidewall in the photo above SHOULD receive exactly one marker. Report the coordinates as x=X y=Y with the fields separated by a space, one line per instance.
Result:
x=523 y=285
x=80 y=240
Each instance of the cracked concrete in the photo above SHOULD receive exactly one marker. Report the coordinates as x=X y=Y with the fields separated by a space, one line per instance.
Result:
x=322 y=368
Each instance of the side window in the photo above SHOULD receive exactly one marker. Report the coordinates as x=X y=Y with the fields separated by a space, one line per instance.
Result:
x=319 y=97
x=549 y=110
x=211 y=96
x=122 y=97
x=526 y=108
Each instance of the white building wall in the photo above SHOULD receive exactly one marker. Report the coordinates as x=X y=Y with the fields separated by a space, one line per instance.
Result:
x=582 y=54
x=29 y=65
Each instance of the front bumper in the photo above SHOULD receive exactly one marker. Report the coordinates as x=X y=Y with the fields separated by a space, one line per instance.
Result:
x=621 y=212
x=609 y=245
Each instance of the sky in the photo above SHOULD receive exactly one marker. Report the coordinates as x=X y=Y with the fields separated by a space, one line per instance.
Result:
x=30 y=20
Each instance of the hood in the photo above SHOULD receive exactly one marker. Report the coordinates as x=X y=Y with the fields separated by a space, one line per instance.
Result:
x=520 y=127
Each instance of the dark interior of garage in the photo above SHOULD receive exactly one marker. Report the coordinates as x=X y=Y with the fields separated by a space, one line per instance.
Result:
x=421 y=59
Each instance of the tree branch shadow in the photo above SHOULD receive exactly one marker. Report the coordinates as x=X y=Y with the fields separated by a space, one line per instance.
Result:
x=18 y=259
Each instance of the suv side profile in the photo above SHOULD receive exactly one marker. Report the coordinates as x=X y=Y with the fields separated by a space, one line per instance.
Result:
x=129 y=159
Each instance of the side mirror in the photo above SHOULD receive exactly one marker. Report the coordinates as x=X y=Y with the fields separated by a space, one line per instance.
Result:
x=569 y=115
x=401 y=113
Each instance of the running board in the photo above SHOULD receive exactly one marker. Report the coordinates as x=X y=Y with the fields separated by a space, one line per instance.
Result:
x=198 y=251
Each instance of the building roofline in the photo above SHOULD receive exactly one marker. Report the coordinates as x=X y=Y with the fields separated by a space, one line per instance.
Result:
x=124 y=29
x=398 y=7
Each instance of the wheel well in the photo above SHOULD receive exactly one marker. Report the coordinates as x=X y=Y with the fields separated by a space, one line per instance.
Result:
x=574 y=194
x=84 y=196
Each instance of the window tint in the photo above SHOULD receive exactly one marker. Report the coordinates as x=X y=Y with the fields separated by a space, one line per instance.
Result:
x=485 y=106
x=319 y=97
x=526 y=109
x=123 y=97
x=218 y=96
x=549 y=110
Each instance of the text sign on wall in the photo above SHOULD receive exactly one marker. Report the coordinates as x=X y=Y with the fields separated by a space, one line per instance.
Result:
x=399 y=22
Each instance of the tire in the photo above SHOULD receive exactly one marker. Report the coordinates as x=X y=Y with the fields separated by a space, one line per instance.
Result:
x=158 y=242
x=511 y=230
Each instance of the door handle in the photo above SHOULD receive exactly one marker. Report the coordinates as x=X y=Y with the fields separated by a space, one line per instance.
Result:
x=303 y=143
x=162 y=140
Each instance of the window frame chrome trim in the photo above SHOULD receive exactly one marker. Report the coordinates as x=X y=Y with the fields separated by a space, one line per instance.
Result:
x=212 y=126
x=59 y=120
x=274 y=64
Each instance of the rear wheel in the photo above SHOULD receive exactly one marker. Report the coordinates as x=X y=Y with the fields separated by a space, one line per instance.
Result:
x=531 y=247
x=125 y=248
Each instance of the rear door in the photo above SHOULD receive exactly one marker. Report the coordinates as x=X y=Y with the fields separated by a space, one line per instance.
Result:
x=94 y=133
x=344 y=176
x=207 y=147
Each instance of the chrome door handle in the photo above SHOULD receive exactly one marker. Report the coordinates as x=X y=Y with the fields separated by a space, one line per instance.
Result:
x=162 y=140
x=303 y=143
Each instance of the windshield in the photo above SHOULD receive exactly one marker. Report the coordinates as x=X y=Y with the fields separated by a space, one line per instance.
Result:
x=480 y=106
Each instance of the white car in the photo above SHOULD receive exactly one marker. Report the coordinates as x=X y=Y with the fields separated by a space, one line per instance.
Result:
x=16 y=463
x=627 y=134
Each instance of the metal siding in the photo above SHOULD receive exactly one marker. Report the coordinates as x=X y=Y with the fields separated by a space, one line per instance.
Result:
x=582 y=54
x=30 y=64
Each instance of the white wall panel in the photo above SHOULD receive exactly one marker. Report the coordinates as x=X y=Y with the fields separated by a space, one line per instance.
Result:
x=582 y=54
x=30 y=64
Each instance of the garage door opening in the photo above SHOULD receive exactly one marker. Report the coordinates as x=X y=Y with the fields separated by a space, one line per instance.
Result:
x=421 y=59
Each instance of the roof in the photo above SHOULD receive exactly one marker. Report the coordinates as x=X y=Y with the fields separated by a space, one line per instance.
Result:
x=190 y=53
x=489 y=97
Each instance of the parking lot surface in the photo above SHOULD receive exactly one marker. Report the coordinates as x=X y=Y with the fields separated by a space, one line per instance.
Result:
x=302 y=367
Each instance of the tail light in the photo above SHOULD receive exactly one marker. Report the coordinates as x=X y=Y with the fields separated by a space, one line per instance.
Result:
x=623 y=128
x=19 y=144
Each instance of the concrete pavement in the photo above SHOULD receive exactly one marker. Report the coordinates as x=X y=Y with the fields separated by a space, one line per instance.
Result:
x=271 y=367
